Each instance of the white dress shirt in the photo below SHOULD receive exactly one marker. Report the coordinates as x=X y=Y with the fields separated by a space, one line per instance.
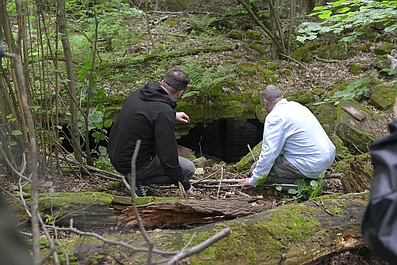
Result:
x=292 y=130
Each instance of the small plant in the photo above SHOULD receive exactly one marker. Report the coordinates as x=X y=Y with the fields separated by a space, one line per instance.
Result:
x=49 y=219
x=206 y=83
x=201 y=23
x=357 y=88
x=350 y=19
x=304 y=191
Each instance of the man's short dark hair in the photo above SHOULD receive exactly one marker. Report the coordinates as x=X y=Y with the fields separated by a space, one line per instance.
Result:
x=176 y=79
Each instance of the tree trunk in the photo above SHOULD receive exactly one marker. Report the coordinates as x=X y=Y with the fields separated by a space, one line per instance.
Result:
x=71 y=85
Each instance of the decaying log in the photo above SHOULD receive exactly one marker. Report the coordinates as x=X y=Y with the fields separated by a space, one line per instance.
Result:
x=292 y=234
x=188 y=213
x=297 y=233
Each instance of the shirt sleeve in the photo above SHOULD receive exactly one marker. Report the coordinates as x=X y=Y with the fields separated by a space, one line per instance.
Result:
x=273 y=142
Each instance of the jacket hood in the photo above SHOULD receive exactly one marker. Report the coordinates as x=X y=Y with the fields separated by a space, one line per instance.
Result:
x=154 y=92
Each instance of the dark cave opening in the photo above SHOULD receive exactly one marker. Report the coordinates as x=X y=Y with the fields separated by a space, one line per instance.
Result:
x=224 y=140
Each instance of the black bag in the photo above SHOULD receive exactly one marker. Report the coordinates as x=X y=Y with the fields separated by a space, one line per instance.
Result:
x=379 y=226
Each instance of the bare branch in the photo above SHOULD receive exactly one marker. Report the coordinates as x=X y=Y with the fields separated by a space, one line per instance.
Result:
x=200 y=247
x=148 y=240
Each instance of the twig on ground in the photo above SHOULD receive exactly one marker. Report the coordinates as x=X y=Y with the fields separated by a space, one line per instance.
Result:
x=249 y=148
x=220 y=183
x=207 y=177
x=182 y=190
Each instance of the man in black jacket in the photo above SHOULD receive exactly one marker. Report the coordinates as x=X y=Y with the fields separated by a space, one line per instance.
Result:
x=148 y=115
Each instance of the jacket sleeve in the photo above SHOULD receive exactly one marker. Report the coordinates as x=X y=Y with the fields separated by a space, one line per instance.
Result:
x=166 y=147
x=273 y=141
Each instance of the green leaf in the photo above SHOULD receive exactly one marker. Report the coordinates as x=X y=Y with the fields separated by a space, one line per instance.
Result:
x=107 y=123
x=12 y=143
x=16 y=132
x=343 y=10
x=325 y=14
x=314 y=184
x=391 y=28
x=292 y=191
x=279 y=187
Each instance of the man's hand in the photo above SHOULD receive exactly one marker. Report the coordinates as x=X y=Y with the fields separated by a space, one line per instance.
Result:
x=191 y=191
x=244 y=182
x=182 y=117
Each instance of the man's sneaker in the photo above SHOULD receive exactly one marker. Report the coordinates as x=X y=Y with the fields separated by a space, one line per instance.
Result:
x=139 y=190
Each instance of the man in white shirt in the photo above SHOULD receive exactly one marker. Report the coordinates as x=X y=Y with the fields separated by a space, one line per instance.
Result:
x=295 y=146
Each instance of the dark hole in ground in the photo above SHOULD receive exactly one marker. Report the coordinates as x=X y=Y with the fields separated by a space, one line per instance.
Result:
x=224 y=139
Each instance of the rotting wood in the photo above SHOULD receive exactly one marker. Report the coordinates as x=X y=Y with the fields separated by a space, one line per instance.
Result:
x=187 y=213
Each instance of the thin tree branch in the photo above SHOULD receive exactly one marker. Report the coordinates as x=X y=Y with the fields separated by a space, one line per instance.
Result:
x=200 y=247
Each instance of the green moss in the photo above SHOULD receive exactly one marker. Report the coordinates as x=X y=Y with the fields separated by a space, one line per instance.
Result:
x=381 y=62
x=304 y=97
x=246 y=69
x=293 y=223
x=253 y=34
x=342 y=152
x=64 y=199
x=273 y=66
x=257 y=46
x=115 y=185
x=235 y=34
x=304 y=53
x=356 y=68
x=383 y=97
x=338 y=51
x=384 y=48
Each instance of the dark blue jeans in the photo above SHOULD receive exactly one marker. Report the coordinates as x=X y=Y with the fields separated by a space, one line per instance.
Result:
x=154 y=173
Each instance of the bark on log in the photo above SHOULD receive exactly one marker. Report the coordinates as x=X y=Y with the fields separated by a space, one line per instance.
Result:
x=187 y=213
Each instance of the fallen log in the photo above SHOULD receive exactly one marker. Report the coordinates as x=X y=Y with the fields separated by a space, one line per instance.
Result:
x=188 y=213
x=297 y=233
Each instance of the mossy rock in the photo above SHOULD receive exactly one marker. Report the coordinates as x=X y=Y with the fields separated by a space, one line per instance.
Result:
x=253 y=35
x=342 y=152
x=235 y=34
x=359 y=134
x=357 y=68
x=356 y=173
x=273 y=66
x=366 y=47
x=304 y=97
x=384 y=48
x=246 y=69
x=381 y=62
x=383 y=97
x=304 y=53
x=326 y=114
x=257 y=46
x=338 y=51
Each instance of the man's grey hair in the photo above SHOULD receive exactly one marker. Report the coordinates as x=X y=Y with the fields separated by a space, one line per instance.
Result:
x=176 y=80
x=271 y=93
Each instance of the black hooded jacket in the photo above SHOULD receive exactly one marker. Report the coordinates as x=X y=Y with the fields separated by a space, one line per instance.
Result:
x=147 y=114
x=379 y=226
